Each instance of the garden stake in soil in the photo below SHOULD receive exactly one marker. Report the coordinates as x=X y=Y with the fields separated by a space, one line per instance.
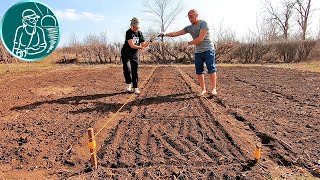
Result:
x=257 y=153
x=92 y=147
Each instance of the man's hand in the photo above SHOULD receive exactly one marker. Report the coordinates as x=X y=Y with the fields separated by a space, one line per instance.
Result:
x=152 y=39
x=161 y=35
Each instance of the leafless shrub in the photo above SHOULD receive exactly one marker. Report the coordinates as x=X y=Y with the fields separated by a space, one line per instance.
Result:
x=276 y=52
x=96 y=50
x=304 y=50
x=224 y=51
x=174 y=52
x=186 y=51
x=5 y=56
x=286 y=51
x=251 y=52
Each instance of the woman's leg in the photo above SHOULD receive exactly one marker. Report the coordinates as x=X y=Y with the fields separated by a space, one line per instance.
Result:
x=126 y=68
x=134 y=70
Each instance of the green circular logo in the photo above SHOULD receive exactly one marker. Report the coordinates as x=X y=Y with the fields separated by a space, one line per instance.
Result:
x=30 y=30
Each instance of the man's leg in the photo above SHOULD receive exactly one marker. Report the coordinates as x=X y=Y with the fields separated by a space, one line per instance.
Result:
x=213 y=79
x=198 y=60
x=212 y=70
x=201 y=81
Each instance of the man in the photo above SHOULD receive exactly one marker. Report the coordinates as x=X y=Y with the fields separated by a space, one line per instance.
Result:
x=204 y=49
x=29 y=38
x=129 y=55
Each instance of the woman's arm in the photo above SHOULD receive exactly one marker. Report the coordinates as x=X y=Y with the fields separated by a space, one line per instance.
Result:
x=145 y=44
x=133 y=46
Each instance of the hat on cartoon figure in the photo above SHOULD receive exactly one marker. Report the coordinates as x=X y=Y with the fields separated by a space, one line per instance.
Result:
x=29 y=14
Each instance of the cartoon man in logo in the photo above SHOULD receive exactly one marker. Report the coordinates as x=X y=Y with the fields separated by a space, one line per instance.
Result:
x=29 y=38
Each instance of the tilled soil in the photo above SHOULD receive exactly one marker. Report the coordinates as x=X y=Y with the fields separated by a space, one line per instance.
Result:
x=167 y=132
x=45 y=116
x=281 y=106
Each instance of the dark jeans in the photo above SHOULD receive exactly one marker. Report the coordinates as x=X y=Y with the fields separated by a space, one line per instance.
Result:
x=207 y=57
x=130 y=68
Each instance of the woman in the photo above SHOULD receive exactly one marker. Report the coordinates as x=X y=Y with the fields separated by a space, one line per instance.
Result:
x=129 y=55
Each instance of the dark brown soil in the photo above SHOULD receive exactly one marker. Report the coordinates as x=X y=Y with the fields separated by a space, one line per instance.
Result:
x=167 y=132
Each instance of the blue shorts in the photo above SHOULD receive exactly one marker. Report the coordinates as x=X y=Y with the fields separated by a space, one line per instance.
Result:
x=207 y=57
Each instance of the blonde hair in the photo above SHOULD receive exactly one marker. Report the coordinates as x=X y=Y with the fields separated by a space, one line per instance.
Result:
x=134 y=21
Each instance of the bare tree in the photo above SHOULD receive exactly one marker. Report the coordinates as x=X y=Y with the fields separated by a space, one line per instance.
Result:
x=266 y=31
x=162 y=12
x=303 y=8
x=282 y=18
x=224 y=34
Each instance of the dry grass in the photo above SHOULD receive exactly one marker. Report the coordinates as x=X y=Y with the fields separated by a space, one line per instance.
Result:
x=16 y=67
x=312 y=66
x=41 y=66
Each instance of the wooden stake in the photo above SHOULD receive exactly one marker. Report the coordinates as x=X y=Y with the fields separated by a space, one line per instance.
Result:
x=92 y=144
x=257 y=152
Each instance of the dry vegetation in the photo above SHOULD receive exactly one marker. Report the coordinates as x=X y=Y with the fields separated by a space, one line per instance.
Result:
x=178 y=52
x=5 y=57
x=274 y=52
x=98 y=52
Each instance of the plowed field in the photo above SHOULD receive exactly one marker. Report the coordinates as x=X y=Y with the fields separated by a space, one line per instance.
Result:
x=167 y=132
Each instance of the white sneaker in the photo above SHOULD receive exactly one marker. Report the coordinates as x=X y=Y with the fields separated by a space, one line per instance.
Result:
x=214 y=92
x=202 y=92
x=136 y=91
x=129 y=88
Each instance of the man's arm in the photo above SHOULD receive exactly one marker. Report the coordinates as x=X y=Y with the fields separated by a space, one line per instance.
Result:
x=175 y=34
x=199 y=39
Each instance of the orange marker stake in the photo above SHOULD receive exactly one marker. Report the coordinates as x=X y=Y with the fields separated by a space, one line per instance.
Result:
x=257 y=152
x=92 y=147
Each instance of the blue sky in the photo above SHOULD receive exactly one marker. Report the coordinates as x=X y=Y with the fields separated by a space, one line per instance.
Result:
x=82 y=17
